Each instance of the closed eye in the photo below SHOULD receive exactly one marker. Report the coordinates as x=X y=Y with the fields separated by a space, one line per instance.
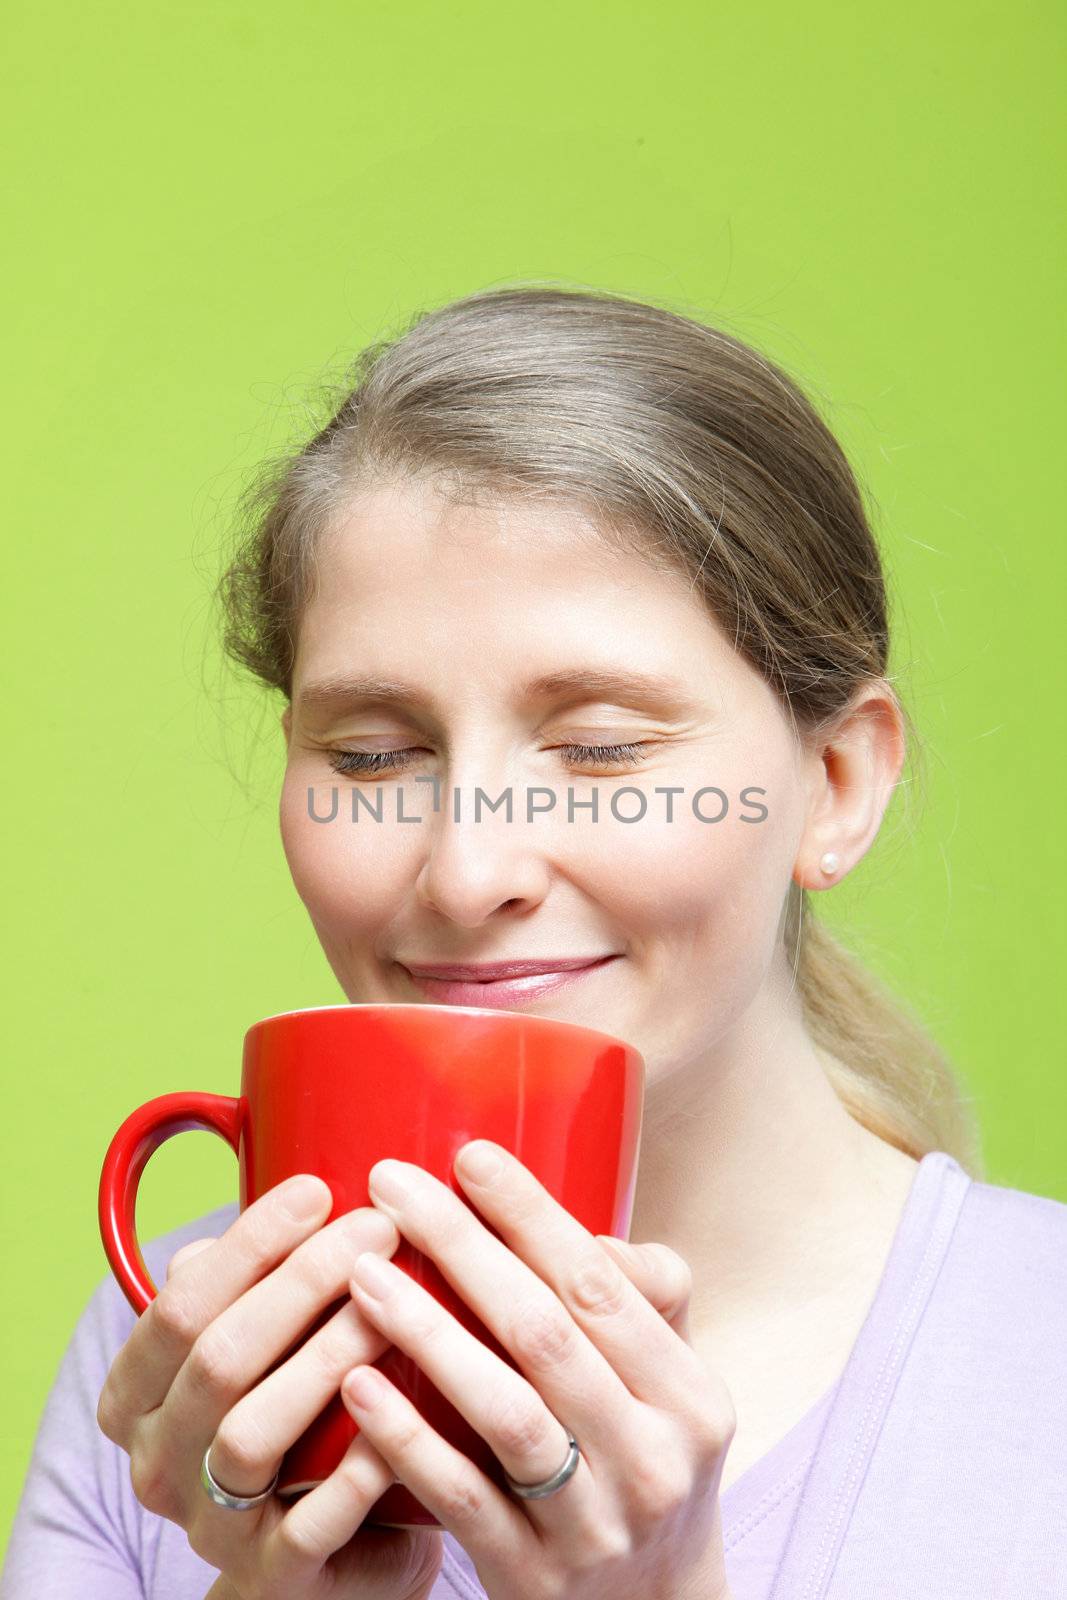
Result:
x=350 y=762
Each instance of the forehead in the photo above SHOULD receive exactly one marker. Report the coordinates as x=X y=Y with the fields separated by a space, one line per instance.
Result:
x=413 y=523
x=486 y=586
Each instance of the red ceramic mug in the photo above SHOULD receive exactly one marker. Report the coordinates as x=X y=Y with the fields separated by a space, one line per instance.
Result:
x=334 y=1089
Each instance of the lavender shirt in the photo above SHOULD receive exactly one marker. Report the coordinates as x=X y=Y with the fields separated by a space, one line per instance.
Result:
x=935 y=1466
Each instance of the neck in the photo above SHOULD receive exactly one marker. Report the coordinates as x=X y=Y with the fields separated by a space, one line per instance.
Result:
x=754 y=1172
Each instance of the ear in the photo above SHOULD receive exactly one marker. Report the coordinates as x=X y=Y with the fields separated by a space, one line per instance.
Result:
x=852 y=773
x=287 y=724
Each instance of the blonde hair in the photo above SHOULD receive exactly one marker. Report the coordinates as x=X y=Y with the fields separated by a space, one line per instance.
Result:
x=686 y=444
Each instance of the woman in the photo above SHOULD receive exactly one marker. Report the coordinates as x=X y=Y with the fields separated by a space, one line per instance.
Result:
x=562 y=540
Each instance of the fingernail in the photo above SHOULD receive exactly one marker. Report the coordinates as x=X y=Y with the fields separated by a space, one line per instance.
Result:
x=372 y=1274
x=481 y=1161
x=389 y=1181
x=363 y=1388
x=306 y=1197
x=376 y=1230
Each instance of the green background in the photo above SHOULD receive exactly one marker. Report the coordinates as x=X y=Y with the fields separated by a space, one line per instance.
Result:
x=211 y=206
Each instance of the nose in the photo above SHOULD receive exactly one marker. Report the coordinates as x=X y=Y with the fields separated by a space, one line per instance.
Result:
x=482 y=863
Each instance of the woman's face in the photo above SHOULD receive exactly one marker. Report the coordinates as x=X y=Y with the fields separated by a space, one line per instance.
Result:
x=467 y=606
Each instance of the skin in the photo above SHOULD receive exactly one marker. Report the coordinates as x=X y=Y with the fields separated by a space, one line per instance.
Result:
x=763 y=1212
x=742 y=1128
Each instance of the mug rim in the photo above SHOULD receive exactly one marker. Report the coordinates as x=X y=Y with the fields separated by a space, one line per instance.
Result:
x=414 y=1005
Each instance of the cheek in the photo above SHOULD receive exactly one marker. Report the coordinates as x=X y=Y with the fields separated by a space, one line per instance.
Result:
x=347 y=874
x=708 y=894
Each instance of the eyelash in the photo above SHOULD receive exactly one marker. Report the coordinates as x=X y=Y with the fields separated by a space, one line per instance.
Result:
x=348 y=762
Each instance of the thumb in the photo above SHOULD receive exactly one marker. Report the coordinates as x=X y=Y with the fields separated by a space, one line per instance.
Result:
x=660 y=1273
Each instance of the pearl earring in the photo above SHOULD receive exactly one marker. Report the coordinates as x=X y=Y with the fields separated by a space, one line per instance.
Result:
x=829 y=863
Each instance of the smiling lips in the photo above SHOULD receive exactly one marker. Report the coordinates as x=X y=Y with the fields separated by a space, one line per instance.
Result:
x=501 y=983
x=490 y=971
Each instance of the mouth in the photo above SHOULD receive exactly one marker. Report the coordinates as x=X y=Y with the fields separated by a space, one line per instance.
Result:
x=513 y=983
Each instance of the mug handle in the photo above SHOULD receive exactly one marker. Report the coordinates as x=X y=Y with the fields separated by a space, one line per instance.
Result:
x=140 y=1137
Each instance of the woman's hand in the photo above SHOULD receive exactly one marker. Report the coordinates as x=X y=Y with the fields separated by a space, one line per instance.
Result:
x=191 y=1374
x=640 y=1516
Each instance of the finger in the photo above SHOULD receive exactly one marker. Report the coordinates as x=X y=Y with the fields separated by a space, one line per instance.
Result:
x=544 y=1262
x=321 y=1522
x=448 y=1484
x=186 y=1253
x=498 y=1402
x=550 y=1349
x=655 y=1365
x=254 y=1435
x=228 y=1360
x=163 y=1335
x=660 y=1274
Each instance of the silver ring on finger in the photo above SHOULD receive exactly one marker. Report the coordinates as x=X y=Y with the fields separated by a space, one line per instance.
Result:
x=223 y=1497
x=538 y=1491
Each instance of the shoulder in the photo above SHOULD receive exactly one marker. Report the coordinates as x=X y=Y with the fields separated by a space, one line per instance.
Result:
x=977 y=1340
x=951 y=1448
x=1002 y=1288
x=1014 y=1231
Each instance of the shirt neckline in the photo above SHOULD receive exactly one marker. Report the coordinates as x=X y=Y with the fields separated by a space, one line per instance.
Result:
x=865 y=1392
x=783 y=1467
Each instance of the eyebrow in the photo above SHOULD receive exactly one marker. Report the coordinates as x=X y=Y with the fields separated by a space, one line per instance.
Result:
x=659 y=689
